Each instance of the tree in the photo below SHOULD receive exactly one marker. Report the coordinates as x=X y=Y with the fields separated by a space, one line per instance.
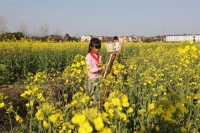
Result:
x=23 y=28
x=2 y=24
x=10 y=36
x=44 y=30
x=67 y=37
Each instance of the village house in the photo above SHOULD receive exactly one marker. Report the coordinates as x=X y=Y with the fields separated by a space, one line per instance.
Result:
x=159 y=38
x=184 y=37
x=86 y=38
x=133 y=38
x=140 y=38
x=123 y=38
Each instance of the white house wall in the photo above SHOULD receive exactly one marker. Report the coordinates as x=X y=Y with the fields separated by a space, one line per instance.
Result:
x=85 y=38
x=180 y=38
x=197 y=38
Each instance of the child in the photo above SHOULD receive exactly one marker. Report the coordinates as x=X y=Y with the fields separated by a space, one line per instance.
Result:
x=117 y=47
x=117 y=44
x=92 y=61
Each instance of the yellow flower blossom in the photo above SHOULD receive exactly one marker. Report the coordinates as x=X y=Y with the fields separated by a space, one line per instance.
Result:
x=105 y=130
x=18 y=118
x=115 y=101
x=157 y=128
x=130 y=110
x=151 y=106
x=106 y=105
x=23 y=95
x=159 y=111
x=39 y=115
x=78 y=119
x=31 y=103
x=125 y=104
x=111 y=112
x=105 y=117
x=122 y=116
x=45 y=124
x=143 y=128
x=82 y=62
x=69 y=131
x=53 y=118
x=98 y=123
x=183 y=130
x=85 y=127
x=40 y=97
x=191 y=41
x=183 y=110
x=2 y=105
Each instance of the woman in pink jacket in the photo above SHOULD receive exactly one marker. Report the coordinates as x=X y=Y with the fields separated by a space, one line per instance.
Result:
x=92 y=61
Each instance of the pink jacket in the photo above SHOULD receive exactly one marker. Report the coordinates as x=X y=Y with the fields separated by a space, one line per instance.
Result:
x=92 y=66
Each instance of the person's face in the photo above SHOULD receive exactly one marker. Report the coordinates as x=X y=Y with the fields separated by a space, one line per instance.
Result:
x=95 y=50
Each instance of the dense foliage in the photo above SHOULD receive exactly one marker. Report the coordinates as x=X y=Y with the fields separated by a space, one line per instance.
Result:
x=153 y=88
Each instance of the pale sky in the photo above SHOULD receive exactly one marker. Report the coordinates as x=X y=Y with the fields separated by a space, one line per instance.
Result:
x=103 y=17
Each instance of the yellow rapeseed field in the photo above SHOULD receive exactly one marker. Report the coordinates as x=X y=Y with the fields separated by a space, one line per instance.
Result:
x=154 y=88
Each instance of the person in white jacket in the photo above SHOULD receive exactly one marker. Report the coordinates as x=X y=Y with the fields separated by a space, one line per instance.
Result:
x=117 y=44
x=117 y=47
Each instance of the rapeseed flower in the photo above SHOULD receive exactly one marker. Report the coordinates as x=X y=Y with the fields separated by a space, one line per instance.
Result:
x=183 y=130
x=18 y=118
x=40 y=97
x=2 y=104
x=125 y=104
x=90 y=113
x=78 y=119
x=45 y=124
x=39 y=115
x=157 y=128
x=85 y=127
x=106 y=105
x=151 y=106
x=122 y=116
x=111 y=112
x=105 y=116
x=106 y=130
x=30 y=104
x=130 y=110
x=98 y=123
x=53 y=118
x=115 y=101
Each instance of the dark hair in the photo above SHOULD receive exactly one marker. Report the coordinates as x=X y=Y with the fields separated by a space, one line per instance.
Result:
x=94 y=42
x=115 y=38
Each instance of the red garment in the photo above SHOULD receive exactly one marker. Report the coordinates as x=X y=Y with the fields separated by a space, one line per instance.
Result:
x=93 y=56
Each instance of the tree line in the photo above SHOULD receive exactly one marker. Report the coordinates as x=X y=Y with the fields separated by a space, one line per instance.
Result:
x=13 y=36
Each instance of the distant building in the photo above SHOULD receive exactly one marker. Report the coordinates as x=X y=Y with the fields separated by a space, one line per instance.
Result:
x=133 y=38
x=86 y=38
x=100 y=38
x=140 y=38
x=107 y=39
x=184 y=37
x=123 y=38
x=159 y=38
